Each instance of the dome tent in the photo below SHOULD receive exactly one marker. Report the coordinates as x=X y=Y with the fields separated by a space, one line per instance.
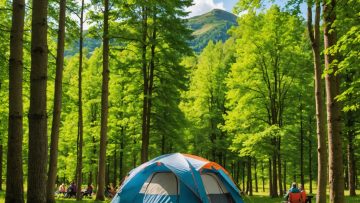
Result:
x=178 y=178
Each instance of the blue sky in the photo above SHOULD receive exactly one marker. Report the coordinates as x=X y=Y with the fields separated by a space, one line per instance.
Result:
x=204 y=6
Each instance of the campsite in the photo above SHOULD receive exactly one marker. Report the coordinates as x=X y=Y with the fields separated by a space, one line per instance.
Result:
x=180 y=101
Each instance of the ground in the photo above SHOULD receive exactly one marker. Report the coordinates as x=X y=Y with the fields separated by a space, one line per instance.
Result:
x=257 y=198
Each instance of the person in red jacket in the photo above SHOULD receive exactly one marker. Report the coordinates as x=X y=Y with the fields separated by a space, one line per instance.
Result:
x=294 y=194
x=303 y=193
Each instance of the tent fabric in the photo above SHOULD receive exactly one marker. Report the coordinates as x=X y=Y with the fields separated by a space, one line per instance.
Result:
x=178 y=178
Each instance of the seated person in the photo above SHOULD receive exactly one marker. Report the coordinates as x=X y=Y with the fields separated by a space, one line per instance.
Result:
x=71 y=191
x=293 y=195
x=62 y=189
x=110 y=191
x=88 y=191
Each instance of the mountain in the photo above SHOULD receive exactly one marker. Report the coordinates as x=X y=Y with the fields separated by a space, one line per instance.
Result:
x=210 y=26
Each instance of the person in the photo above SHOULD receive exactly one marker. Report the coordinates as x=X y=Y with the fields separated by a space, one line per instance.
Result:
x=88 y=191
x=293 y=195
x=62 y=189
x=71 y=191
x=303 y=194
x=110 y=191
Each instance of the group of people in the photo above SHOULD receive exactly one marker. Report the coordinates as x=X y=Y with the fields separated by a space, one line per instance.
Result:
x=295 y=194
x=71 y=190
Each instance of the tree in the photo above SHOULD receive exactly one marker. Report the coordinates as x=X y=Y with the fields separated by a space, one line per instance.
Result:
x=263 y=82
x=314 y=35
x=104 y=105
x=332 y=83
x=204 y=102
x=153 y=29
x=57 y=105
x=79 y=145
x=14 y=176
x=38 y=143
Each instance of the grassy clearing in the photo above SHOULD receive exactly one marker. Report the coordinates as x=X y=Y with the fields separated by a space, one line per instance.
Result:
x=257 y=198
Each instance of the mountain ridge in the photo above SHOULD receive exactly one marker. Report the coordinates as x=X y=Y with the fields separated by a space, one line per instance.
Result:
x=212 y=25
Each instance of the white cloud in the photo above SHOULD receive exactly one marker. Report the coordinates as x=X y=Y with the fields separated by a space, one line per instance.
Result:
x=203 y=6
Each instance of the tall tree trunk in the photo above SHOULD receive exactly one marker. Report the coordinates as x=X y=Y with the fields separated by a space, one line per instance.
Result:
x=274 y=176
x=314 y=34
x=121 y=167
x=14 y=174
x=279 y=168
x=263 y=176
x=38 y=140
x=243 y=177
x=151 y=75
x=284 y=175
x=80 y=114
x=145 y=136
x=332 y=83
x=310 y=164
x=238 y=173
x=249 y=189
x=115 y=168
x=57 y=105
x=270 y=179
x=302 y=178
x=104 y=105
x=350 y=153
x=256 y=176
x=1 y=162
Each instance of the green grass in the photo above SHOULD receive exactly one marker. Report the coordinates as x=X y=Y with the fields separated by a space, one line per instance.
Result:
x=257 y=198
x=60 y=200
x=263 y=198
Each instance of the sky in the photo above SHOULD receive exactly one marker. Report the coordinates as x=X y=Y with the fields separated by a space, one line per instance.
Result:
x=204 y=6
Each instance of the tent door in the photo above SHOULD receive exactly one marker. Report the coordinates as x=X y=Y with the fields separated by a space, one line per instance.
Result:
x=215 y=189
x=161 y=187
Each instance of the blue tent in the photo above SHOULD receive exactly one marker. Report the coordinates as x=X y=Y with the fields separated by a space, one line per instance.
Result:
x=178 y=178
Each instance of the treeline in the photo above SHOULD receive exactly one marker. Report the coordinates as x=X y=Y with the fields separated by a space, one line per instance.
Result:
x=251 y=103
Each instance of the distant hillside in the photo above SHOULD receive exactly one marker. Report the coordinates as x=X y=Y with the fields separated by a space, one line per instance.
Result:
x=210 y=26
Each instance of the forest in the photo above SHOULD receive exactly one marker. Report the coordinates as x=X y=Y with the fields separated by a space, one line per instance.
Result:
x=91 y=89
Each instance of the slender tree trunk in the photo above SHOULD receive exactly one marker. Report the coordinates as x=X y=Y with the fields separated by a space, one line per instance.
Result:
x=122 y=154
x=115 y=169
x=151 y=75
x=57 y=105
x=14 y=174
x=243 y=177
x=284 y=176
x=270 y=179
x=314 y=34
x=302 y=178
x=274 y=178
x=104 y=105
x=1 y=163
x=332 y=83
x=80 y=114
x=145 y=136
x=310 y=164
x=249 y=189
x=256 y=176
x=279 y=168
x=38 y=142
x=350 y=153
x=263 y=176
x=238 y=173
